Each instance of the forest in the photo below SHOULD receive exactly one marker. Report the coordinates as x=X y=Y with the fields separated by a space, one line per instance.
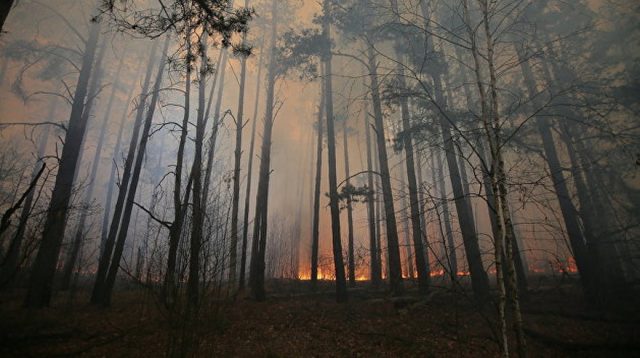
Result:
x=326 y=178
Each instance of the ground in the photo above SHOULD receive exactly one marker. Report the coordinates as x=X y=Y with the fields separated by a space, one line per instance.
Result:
x=294 y=323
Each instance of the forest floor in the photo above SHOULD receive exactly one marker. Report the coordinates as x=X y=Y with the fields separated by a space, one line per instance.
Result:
x=292 y=323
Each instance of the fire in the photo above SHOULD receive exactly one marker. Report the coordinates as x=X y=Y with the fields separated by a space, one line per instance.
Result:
x=322 y=275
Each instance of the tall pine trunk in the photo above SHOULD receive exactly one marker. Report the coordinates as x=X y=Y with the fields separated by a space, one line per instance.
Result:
x=315 y=233
x=107 y=252
x=198 y=207
x=123 y=228
x=80 y=230
x=393 y=248
x=351 y=257
x=259 y=242
x=374 y=262
x=338 y=262
x=179 y=205
x=247 y=197
x=44 y=267
x=236 y=168
x=580 y=251
x=114 y=167
x=424 y=276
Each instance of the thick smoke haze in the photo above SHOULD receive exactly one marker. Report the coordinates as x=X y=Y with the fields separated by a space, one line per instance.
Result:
x=489 y=149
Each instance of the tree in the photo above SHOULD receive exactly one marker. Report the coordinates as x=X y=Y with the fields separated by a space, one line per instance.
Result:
x=245 y=231
x=97 y=295
x=237 y=159
x=123 y=227
x=338 y=262
x=40 y=285
x=259 y=242
x=422 y=265
x=315 y=231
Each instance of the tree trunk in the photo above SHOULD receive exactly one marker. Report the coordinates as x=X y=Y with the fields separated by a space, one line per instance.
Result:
x=198 y=200
x=479 y=278
x=11 y=262
x=424 y=276
x=236 y=170
x=179 y=205
x=393 y=263
x=375 y=272
x=112 y=176
x=103 y=266
x=259 y=242
x=351 y=257
x=80 y=230
x=133 y=184
x=41 y=284
x=569 y=214
x=338 y=262
x=247 y=197
x=448 y=245
x=315 y=238
x=521 y=269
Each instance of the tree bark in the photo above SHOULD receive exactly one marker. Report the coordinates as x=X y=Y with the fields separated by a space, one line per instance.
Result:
x=112 y=176
x=338 y=262
x=448 y=245
x=41 y=283
x=133 y=185
x=247 y=197
x=259 y=242
x=393 y=263
x=236 y=170
x=569 y=214
x=197 y=220
x=315 y=238
x=424 y=276
x=80 y=230
x=351 y=257
x=179 y=205
x=374 y=262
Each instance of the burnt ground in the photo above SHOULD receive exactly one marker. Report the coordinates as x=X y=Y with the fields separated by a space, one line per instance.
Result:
x=293 y=323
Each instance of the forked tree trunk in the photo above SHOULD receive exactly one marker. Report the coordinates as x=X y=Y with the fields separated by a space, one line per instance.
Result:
x=247 y=197
x=133 y=185
x=114 y=166
x=105 y=259
x=80 y=230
